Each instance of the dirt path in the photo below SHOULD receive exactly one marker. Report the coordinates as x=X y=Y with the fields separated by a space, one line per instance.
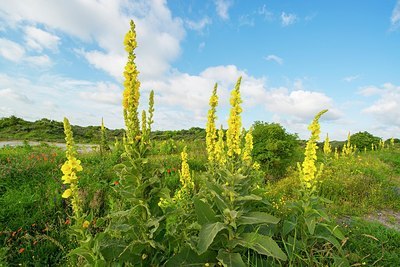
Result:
x=388 y=218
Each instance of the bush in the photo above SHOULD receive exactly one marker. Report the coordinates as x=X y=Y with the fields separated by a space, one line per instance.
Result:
x=274 y=148
x=364 y=139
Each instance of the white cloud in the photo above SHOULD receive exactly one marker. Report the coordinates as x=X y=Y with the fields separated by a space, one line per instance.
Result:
x=11 y=50
x=8 y=94
x=288 y=19
x=386 y=109
x=39 y=39
x=351 y=78
x=274 y=58
x=201 y=46
x=198 y=25
x=103 y=93
x=223 y=8
x=395 y=18
x=369 y=90
x=41 y=61
x=246 y=20
x=263 y=11
x=105 y=24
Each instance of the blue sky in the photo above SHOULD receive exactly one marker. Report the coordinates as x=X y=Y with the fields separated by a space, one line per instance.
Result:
x=65 y=58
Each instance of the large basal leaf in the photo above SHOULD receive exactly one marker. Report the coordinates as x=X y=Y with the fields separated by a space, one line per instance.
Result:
x=187 y=257
x=204 y=212
x=256 y=218
x=263 y=244
x=207 y=235
x=229 y=259
x=310 y=222
x=288 y=226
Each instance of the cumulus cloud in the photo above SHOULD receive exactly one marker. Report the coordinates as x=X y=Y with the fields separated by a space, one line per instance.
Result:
x=274 y=58
x=10 y=94
x=222 y=7
x=102 y=92
x=39 y=39
x=11 y=50
x=288 y=19
x=41 y=61
x=105 y=23
x=386 y=108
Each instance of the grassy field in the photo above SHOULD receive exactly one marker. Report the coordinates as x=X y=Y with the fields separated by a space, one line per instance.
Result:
x=35 y=219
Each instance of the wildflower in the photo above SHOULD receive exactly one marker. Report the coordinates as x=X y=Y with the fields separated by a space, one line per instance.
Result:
x=185 y=178
x=85 y=224
x=248 y=147
x=234 y=122
x=67 y=221
x=211 y=132
x=67 y=193
x=327 y=146
x=116 y=183
x=21 y=250
x=308 y=170
x=220 y=156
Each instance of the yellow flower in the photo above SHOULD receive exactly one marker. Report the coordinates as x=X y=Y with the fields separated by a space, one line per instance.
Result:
x=220 y=156
x=327 y=146
x=308 y=170
x=85 y=224
x=66 y=168
x=211 y=132
x=248 y=147
x=234 y=122
x=75 y=164
x=185 y=178
x=67 y=193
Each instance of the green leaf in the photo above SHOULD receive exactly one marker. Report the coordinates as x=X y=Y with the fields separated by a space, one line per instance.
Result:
x=263 y=244
x=187 y=257
x=249 y=197
x=288 y=226
x=229 y=259
x=257 y=218
x=310 y=222
x=204 y=212
x=337 y=233
x=207 y=235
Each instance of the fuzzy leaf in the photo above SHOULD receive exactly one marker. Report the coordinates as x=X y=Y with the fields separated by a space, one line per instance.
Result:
x=263 y=244
x=207 y=235
x=230 y=259
x=204 y=212
x=257 y=218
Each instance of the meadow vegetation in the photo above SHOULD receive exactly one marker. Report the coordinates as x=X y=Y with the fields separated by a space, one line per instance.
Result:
x=218 y=197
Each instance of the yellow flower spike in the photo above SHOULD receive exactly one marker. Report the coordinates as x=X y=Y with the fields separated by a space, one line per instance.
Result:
x=211 y=131
x=220 y=155
x=185 y=178
x=234 y=122
x=67 y=193
x=308 y=170
x=248 y=147
x=327 y=146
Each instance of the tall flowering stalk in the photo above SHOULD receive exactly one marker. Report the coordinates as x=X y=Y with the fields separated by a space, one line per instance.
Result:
x=308 y=170
x=70 y=169
x=211 y=131
x=248 y=147
x=220 y=154
x=150 y=112
x=327 y=146
x=234 y=122
x=347 y=148
x=131 y=93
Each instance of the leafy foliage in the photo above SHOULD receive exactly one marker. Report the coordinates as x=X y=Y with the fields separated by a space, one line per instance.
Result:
x=274 y=148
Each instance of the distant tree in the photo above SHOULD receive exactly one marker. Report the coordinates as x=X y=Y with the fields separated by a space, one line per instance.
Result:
x=274 y=148
x=364 y=139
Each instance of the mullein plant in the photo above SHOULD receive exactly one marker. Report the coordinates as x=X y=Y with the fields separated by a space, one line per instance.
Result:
x=327 y=146
x=308 y=235
x=211 y=131
x=79 y=229
x=230 y=206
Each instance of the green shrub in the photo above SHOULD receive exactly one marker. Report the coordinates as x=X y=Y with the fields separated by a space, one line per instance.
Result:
x=274 y=148
x=364 y=139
